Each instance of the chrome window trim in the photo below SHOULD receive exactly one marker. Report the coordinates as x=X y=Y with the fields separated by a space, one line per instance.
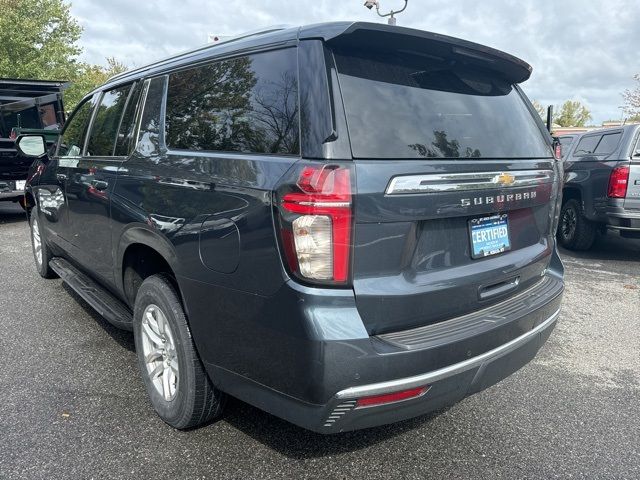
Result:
x=449 y=371
x=455 y=182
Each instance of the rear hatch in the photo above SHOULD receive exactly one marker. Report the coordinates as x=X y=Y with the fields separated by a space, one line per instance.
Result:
x=455 y=178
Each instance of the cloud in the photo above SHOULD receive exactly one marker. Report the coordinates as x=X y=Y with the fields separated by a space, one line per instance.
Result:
x=578 y=50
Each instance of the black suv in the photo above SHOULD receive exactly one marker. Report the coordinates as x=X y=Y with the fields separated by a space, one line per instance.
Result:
x=602 y=186
x=344 y=224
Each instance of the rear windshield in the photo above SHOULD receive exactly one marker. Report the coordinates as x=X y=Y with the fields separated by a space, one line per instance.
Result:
x=408 y=105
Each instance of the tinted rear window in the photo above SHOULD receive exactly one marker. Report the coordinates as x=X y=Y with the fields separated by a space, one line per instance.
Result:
x=566 y=141
x=587 y=145
x=246 y=104
x=608 y=144
x=404 y=105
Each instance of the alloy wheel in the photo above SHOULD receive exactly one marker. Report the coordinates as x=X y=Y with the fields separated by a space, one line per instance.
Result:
x=159 y=350
x=37 y=242
x=569 y=223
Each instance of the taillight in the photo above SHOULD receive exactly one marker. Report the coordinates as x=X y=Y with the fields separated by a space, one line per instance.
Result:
x=557 y=150
x=316 y=217
x=618 y=182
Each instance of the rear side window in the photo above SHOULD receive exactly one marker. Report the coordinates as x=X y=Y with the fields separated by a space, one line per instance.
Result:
x=608 y=144
x=128 y=123
x=407 y=105
x=150 y=123
x=72 y=137
x=106 y=122
x=246 y=104
x=587 y=145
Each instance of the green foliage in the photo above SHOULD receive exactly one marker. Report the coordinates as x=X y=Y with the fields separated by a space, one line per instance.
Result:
x=39 y=40
x=89 y=77
x=572 y=113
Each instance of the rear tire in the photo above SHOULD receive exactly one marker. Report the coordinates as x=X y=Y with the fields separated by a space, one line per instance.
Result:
x=41 y=251
x=575 y=231
x=179 y=389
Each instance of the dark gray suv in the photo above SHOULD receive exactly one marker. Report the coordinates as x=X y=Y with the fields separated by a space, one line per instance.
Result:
x=602 y=186
x=345 y=224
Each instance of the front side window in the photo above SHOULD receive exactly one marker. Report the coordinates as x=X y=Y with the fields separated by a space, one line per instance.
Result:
x=404 y=104
x=72 y=137
x=107 y=122
x=246 y=104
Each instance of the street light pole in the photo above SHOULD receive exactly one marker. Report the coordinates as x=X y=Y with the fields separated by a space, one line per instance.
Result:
x=392 y=19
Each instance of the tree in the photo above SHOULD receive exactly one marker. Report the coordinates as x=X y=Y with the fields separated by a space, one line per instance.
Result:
x=39 y=40
x=632 y=98
x=572 y=113
x=89 y=77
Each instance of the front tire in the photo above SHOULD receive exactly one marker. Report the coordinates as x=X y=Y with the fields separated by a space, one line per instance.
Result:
x=575 y=231
x=41 y=252
x=178 y=387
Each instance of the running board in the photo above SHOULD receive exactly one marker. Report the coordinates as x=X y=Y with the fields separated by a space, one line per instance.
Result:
x=105 y=303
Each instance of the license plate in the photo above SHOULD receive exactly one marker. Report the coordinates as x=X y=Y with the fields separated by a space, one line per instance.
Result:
x=20 y=185
x=489 y=235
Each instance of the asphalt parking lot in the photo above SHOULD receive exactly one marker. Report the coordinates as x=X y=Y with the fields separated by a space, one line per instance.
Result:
x=73 y=404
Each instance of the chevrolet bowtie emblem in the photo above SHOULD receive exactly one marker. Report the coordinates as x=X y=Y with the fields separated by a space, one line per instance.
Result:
x=504 y=179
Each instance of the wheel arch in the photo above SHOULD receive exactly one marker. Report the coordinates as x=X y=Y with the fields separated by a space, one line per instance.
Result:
x=147 y=253
x=570 y=192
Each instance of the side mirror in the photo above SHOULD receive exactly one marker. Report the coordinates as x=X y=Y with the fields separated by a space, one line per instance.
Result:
x=31 y=145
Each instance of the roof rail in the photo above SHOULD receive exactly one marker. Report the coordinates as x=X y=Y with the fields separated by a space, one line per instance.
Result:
x=235 y=38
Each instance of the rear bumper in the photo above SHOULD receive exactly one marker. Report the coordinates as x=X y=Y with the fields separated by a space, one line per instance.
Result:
x=446 y=386
x=623 y=220
x=315 y=382
x=616 y=217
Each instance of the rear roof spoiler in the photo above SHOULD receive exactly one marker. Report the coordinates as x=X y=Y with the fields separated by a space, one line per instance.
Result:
x=385 y=37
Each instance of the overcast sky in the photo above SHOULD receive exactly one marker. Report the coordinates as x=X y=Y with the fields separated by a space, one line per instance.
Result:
x=584 y=50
